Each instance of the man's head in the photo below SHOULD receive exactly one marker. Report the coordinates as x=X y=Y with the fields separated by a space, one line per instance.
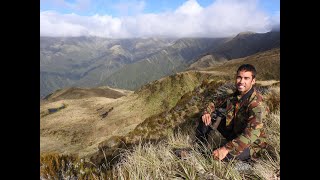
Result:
x=246 y=78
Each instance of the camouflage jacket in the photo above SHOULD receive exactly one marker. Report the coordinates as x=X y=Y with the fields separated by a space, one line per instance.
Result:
x=244 y=118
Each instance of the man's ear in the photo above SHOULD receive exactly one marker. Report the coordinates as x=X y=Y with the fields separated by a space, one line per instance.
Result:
x=253 y=81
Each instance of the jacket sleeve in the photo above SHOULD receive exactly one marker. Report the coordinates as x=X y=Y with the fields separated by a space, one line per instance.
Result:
x=252 y=131
x=210 y=107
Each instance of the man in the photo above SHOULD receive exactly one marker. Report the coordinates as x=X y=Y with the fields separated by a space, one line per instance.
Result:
x=240 y=116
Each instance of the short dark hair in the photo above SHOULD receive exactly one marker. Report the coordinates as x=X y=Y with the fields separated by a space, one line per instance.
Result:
x=248 y=67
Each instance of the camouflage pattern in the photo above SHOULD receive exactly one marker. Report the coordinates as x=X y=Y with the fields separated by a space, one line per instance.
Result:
x=245 y=120
x=210 y=108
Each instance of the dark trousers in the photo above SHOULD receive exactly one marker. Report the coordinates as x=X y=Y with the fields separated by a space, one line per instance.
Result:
x=203 y=131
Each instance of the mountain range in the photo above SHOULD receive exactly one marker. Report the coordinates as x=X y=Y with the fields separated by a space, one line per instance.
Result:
x=130 y=63
x=85 y=61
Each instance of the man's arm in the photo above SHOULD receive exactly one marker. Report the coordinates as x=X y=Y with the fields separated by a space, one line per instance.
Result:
x=251 y=132
x=210 y=108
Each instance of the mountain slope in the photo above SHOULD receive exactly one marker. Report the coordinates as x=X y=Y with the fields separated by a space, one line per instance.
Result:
x=168 y=61
x=85 y=126
x=80 y=124
x=206 y=61
x=79 y=93
x=88 y=60
x=267 y=64
x=187 y=109
x=245 y=44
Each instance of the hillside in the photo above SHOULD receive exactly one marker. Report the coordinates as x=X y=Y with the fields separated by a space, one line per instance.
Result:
x=189 y=105
x=248 y=43
x=78 y=124
x=79 y=93
x=86 y=124
x=267 y=64
x=85 y=61
x=206 y=61
x=168 y=61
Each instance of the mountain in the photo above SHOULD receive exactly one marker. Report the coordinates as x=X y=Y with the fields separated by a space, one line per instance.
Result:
x=170 y=60
x=248 y=43
x=191 y=53
x=88 y=123
x=131 y=63
x=85 y=61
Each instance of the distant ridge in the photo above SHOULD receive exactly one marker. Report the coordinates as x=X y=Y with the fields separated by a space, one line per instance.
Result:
x=248 y=43
x=78 y=93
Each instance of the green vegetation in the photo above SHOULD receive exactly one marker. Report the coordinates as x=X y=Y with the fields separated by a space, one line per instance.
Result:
x=166 y=62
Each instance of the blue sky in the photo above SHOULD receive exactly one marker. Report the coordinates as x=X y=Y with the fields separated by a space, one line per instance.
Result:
x=112 y=7
x=144 y=18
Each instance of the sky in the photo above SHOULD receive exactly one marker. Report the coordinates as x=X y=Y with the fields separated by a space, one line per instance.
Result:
x=156 y=18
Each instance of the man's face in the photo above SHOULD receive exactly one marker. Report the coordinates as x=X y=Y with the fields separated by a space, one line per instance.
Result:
x=244 y=81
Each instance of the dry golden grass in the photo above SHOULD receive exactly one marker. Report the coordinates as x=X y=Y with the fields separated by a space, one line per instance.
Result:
x=78 y=93
x=273 y=99
x=52 y=165
x=157 y=161
x=79 y=128
x=86 y=122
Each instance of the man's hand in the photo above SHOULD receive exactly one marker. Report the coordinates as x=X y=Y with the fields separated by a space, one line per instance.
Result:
x=220 y=153
x=206 y=118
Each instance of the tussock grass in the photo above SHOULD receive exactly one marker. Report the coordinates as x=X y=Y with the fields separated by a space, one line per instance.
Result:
x=158 y=160
x=57 y=166
x=268 y=166
x=272 y=98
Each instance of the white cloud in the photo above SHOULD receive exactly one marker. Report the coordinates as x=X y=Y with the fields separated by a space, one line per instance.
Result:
x=190 y=7
x=221 y=18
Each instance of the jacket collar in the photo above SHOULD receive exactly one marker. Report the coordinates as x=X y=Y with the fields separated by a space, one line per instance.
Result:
x=244 y=97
